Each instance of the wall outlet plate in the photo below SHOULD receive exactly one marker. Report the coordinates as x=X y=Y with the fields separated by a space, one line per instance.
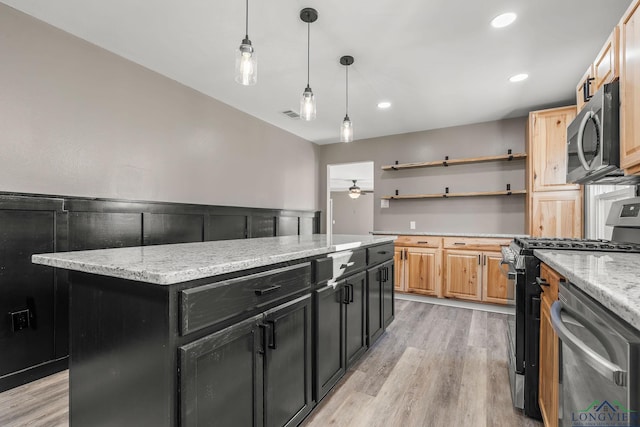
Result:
x=412 y=225
x=384 y=203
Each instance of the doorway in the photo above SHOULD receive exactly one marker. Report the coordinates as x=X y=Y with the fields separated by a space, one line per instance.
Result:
x=350 y=198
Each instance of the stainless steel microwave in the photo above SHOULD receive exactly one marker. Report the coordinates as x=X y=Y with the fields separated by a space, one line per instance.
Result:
x=593 y=141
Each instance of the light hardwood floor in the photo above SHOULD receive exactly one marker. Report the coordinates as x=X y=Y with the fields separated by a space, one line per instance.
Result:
x=435 y=366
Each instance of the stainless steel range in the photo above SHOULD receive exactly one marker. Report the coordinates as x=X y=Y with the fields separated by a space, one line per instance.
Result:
x=523 y=333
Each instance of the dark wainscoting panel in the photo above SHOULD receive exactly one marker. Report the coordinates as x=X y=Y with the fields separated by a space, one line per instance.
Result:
x=98 y=230
x=263 y=226
x=288 y=226
x=36 y=223
x=307 y=226
x=161 y=229
x=226 y=227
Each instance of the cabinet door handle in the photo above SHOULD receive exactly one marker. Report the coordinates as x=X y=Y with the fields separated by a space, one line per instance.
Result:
x=541 y=282
x=263 y=338
x=484 y=260
x=479 y=257
x=272 y=341
x=349 y=264
x=267 y=290
x=386 y=274
x=350 y=285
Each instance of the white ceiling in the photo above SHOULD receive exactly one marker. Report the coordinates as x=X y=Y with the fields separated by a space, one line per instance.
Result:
x=439 y=62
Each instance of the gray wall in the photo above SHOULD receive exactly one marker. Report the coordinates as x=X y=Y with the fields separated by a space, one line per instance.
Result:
x=471 y=215
x=78 y=120
x=352 y=216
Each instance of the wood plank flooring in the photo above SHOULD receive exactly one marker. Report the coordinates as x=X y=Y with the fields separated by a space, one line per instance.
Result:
x=435 y=366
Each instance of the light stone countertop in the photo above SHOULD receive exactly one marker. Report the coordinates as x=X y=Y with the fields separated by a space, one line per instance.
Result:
x=169 y=264
x=430 y=233
x=611 y=278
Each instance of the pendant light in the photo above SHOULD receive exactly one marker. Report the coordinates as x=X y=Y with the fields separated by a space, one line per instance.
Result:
x=346 y=130
x=246 y=60
x=308 y=99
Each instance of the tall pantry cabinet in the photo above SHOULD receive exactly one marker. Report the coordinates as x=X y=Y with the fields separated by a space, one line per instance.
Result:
x=553 y=207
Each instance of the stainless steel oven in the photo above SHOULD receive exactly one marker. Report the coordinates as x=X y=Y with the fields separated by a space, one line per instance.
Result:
x=599 y=363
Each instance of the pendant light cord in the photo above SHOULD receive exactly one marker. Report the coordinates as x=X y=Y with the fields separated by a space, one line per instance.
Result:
x=308 y=49
x=347 y=91
x=247 y=20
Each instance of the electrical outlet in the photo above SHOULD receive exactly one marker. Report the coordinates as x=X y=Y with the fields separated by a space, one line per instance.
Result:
x=412 y=225
x=19 y=320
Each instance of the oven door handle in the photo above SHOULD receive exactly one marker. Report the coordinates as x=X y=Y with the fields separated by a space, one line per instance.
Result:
x=603 y=366
x=510 y=273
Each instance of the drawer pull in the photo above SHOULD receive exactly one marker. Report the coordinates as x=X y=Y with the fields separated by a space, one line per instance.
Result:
x=460 y=243
x=541 y=282
x=383 y=252
x=349 y=264
x=423 y=242
x=270 y=289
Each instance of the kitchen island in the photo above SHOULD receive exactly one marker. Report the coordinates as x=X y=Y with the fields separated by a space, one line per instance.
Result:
x=239 y=332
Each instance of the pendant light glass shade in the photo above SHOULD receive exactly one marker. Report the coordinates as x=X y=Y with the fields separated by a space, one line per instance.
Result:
x=308 y=105
x=246 y=60
x=346 y=130
x=308 y=99
x=246 y=64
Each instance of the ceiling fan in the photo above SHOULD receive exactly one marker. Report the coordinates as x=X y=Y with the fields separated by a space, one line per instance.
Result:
x=355 y=191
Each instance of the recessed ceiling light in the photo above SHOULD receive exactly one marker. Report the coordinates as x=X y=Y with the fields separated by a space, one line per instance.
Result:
x=384 y=105
x=518 y=78
x=503 y=20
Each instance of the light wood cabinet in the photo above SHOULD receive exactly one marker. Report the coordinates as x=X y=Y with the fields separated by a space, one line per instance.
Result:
x=548 y=397
x=585 y=88
x=476 y=276
x=495 y=286
x=423 y=270
x=463 y=274
x=604 y=69
x=556 y=214
x=630 y=90
x=418 y=270
x=547 y=149
x=399 y=272
x=553 y=207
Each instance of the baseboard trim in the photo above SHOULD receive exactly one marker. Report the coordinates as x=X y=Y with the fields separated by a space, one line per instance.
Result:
x=491 y=308
x=33 y=373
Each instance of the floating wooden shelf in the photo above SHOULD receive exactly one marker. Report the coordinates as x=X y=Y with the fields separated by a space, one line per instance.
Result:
x=448 y=162
x=448 y=195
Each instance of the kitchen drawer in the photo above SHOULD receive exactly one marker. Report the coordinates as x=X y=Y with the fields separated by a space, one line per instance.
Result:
x=475 y=243
x=211 y=304
x=552 y=281
x=419 y=241
x=379 y=254
x=339 y=264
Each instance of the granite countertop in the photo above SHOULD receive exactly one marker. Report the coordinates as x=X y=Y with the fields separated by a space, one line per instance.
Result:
x=611 y=278
x=430 y=233
x=169 y=264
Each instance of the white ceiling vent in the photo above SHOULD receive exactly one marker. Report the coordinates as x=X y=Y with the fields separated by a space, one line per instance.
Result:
x=291 y=114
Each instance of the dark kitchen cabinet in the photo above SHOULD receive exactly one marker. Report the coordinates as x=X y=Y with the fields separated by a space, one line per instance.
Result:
x=380 y=300
x=288 y=363
x=210 y=364
x=254 y=373
x=341 y=329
